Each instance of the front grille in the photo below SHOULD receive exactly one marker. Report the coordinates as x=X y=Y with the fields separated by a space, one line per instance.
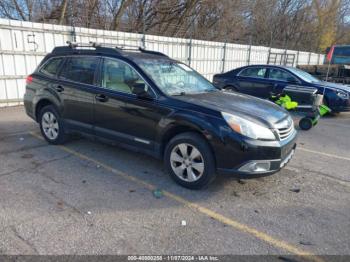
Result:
x=285 y=128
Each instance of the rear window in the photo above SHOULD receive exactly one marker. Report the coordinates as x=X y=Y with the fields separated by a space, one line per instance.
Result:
x=80 y=69
x=51 y=67
x=257 y=72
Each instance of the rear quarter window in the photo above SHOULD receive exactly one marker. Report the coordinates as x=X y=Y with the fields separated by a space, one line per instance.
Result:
x=52 y=66
x=80 y=69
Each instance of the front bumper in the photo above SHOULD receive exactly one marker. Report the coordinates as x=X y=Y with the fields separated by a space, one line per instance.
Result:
x=265 y=166
x=339 y=109
x=258 y=158
x=340 y=104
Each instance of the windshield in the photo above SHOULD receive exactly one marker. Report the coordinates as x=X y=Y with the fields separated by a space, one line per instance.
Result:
x=175 y=78
x=304 y=75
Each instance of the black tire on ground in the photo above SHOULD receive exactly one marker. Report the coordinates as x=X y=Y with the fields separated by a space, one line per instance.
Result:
x=305 y=123
x=61 y=134
x=196 y=140
x=332 y=113
x=231 y=88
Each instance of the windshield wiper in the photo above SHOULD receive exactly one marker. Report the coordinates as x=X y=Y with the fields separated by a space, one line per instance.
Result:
x=211 y=90
x=179 y=94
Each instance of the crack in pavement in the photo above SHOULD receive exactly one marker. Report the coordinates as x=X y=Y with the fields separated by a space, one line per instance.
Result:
x=36 y=165
x=25 y=241
x=23 y=149
x=341 y=181
x=52 y=179
x=58 y=199
x=4 y=136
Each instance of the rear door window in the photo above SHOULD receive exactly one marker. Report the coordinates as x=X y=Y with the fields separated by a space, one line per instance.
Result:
x=52 y=66
x=256 y=72
x=80 y=69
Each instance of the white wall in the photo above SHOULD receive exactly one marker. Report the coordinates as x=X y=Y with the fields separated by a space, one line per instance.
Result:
x=24 y=44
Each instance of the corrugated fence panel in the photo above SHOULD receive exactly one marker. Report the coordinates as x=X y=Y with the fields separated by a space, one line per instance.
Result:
x=24 y=44
x=236 y=55
x=303 y=58
x=259 y=55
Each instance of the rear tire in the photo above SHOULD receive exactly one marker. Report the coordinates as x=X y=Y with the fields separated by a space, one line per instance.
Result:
x=51 y=125
x=189 y=160
x=231 y=88
x=305 y=123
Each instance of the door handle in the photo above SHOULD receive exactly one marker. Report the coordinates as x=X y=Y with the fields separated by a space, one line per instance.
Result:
x=59 y=88
x=102 y=98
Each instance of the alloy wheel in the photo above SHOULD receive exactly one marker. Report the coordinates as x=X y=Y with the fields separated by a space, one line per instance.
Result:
x=50 y=125
x=187 y=162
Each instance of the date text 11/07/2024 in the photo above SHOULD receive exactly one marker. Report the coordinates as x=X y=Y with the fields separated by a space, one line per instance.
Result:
x=173 y=258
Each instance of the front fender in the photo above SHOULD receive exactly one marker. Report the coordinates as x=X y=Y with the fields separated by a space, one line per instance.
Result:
x=210 y=127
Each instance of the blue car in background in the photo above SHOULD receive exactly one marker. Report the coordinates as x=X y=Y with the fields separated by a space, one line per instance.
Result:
x=263 y=80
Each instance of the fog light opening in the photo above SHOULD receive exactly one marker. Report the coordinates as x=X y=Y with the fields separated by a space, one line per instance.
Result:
x=256 y=166
x=260 y=167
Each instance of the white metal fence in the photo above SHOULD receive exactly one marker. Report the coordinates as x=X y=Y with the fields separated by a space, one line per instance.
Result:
x=24 y=44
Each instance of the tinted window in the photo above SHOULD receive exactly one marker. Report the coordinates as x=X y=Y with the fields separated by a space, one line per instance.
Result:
x=341 y=55
x=52 y=66
x=342 y=51
x=278 y=74
x=119 y=76
x=80 y=69
x=258 y=72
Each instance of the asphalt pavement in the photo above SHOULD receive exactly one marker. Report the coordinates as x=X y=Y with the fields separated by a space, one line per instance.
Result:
x=88 y=197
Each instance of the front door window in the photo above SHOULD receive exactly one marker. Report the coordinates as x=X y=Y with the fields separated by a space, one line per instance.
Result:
x=119 y=76
x=281 y=75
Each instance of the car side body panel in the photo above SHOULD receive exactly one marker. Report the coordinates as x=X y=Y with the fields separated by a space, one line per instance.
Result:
x=263 y=88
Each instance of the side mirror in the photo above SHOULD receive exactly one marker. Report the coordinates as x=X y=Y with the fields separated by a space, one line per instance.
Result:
x=141 y=90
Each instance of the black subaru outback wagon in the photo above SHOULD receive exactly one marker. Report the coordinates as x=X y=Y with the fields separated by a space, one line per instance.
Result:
x=152 y=103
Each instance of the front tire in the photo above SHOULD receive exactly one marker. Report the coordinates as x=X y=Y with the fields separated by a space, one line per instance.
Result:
x=189 y=161
x=51 y=125
x=332 y=113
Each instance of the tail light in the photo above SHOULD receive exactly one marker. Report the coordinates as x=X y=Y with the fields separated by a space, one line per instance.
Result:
x=29 y=79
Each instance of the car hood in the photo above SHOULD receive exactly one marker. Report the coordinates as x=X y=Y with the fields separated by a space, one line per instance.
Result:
x=333 y=86
x=258 y=110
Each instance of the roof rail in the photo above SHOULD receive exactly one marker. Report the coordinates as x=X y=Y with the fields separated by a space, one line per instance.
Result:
x=101 y=47
x=76 y=47
x=138 y=48
x=151 y=52
x=131 y=48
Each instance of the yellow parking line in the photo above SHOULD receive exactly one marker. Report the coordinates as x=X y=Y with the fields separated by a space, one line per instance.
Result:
x=203 y=210
x=323 y=154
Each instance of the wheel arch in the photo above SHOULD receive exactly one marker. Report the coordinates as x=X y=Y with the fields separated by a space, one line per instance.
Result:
x=41 y=104
x=176 y=129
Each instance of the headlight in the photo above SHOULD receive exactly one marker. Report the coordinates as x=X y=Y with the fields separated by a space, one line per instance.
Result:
x=342 y=94
x=248 y=128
